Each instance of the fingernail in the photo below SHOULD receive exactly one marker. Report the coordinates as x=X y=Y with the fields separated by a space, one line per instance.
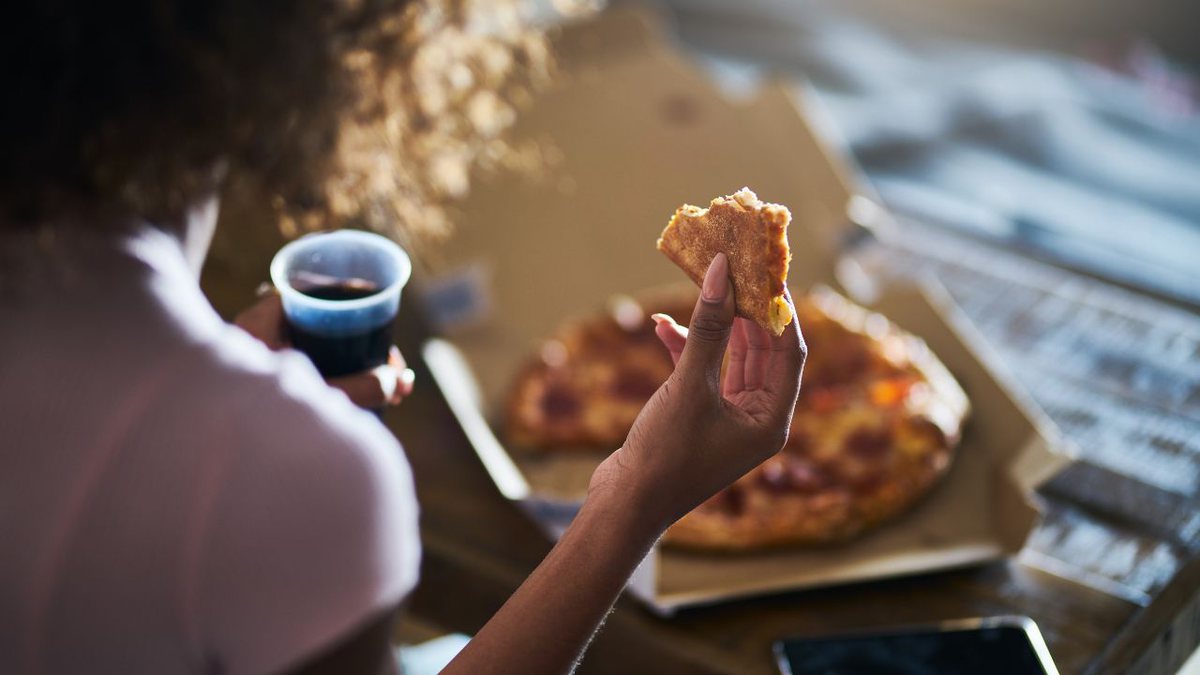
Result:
x=408 y=377
x=662 y=318
x=387 y=381
x=716 y=280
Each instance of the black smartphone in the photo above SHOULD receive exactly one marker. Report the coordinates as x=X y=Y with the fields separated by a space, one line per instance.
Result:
x=1002 y=645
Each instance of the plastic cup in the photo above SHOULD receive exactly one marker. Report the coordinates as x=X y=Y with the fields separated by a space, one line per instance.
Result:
x=341 y=293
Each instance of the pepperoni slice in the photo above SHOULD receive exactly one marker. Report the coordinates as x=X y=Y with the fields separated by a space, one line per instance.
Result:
x=847 y=363
x=559 y=402
x=634 y=385
x=869 y=444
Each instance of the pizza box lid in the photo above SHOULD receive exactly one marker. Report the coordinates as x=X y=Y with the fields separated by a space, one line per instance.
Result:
x=634 y=132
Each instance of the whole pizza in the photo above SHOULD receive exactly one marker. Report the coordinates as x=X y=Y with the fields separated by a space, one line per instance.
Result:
x=874 y=429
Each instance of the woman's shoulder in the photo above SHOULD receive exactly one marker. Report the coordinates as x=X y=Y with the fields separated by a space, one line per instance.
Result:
x=315 y=494
x=271 y=393
x=284 y=423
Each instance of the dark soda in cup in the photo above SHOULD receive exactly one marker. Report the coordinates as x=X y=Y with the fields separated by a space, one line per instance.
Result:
x=341 y=292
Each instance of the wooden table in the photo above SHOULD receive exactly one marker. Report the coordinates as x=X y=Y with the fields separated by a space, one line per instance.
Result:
x=1111 y=577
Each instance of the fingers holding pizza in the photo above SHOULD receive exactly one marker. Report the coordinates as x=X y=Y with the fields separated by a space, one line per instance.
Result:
x=755 y=360
x=697 y=434
x=749 y=353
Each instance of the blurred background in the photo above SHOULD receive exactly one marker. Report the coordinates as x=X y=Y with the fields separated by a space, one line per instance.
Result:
x=1067 y=129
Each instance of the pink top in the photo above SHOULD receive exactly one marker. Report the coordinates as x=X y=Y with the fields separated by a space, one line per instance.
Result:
x=173 y=496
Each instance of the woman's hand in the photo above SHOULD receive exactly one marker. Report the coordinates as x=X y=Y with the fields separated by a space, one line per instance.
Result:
x=699 y=434
x=694 y=437
x=385 y=385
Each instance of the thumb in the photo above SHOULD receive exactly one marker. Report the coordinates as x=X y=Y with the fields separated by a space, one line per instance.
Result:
x=712 y=321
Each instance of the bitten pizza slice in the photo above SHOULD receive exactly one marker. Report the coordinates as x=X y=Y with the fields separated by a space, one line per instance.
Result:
x=753 y=235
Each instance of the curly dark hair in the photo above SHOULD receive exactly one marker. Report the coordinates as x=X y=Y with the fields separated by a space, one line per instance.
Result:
x=362 y=111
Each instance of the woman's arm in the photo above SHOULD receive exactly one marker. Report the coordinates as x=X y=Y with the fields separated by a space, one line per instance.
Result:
x=545 y=625
x=695 y=436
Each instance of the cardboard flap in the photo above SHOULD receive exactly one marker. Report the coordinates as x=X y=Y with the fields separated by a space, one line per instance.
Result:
x=458 y=385
x=632 y=149
x=1045 y=451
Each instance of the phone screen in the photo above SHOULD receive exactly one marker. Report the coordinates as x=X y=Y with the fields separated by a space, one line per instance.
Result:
x=980 y=650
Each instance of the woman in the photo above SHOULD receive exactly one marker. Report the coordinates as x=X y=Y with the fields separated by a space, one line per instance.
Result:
x=175 y=496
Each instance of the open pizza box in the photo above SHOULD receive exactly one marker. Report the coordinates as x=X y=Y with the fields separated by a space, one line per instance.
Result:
x=640 y=131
